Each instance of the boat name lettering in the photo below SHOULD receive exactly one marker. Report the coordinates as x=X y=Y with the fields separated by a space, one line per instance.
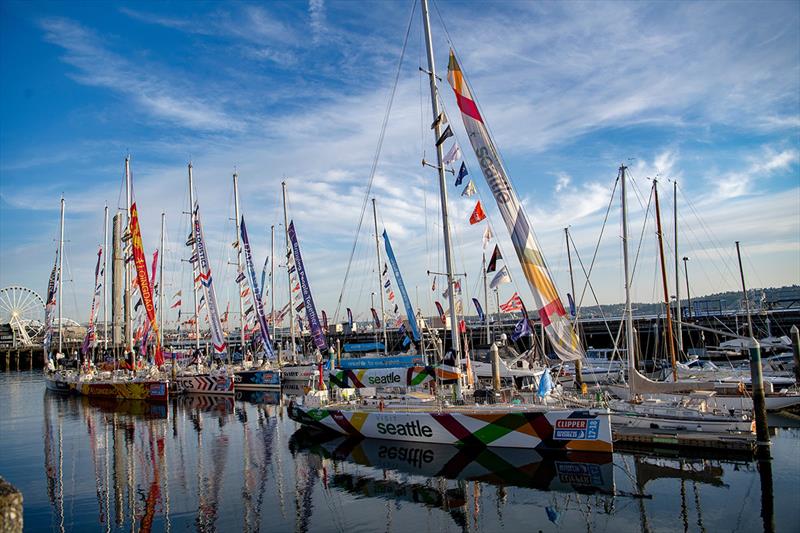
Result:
x=383 y=380
x=576 y=429
x=495 y=180
x=413 y=456
x=571 y=423
x=409 y=429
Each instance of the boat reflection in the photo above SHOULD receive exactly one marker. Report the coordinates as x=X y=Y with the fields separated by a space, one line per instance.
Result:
x=586 y=473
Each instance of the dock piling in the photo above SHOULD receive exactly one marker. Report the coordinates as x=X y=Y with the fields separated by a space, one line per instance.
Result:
x=759 y=405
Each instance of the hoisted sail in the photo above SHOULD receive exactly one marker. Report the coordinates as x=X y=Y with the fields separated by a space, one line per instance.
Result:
x=559 y=328
x=255 y=292
x=204 y=275
x=308 y=300
x=412 y=320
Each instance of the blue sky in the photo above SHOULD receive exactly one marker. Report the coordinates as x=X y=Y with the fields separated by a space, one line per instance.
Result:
x=706 y=93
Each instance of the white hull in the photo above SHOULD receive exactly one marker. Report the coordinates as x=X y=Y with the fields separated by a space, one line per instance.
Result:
x=299 y=373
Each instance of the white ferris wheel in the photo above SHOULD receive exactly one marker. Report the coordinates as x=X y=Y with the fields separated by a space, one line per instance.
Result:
x=23 y=309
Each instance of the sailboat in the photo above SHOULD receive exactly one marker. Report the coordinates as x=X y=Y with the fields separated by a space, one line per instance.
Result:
x=514 y=426
x=56 y=379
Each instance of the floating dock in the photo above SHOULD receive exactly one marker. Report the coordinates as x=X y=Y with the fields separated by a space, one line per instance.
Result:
x=635 y=438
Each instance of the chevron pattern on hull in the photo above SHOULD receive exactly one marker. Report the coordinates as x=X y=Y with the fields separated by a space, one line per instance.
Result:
x=205 y=384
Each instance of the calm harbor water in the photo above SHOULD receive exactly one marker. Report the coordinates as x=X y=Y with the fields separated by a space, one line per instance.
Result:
x=206 y=464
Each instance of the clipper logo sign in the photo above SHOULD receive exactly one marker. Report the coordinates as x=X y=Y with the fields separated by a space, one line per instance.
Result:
x=576 y=429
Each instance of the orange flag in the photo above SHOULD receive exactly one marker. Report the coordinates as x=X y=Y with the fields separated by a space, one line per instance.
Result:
x=477 y=214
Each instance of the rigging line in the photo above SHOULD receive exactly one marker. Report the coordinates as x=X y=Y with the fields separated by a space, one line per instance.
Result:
x=375 y=160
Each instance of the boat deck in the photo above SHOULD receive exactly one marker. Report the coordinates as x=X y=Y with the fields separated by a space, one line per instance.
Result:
x=659 y=438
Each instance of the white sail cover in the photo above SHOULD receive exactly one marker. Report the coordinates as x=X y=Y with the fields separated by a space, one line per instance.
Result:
x=557 y=324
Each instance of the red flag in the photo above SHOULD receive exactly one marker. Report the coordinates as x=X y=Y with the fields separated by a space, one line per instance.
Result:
x=176 y=304
x=477 y=214
x=144 y=284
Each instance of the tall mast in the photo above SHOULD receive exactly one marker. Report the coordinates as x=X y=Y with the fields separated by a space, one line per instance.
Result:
x=238 y=259
x=61 y=278
x=744 y=293
x=670 y=339
x=380 y=276
x=194 y=270
x=678 y=316
x=485 y=296
x=128 y=309
x=105 y=278
x=628 y=310
x=272 y=280
x=443 y=194
x=578 y=363
x=161 y=285
x=288 y=272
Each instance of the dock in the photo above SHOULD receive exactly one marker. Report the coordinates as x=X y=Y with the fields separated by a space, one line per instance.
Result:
x=637 y=438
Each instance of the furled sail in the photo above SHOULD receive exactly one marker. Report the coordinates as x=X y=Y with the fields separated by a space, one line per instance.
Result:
x=559 y=328
x=204 y=275
x=255 y=291
x=412 y=319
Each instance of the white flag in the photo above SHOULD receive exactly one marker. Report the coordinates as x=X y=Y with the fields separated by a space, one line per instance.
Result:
x=453 y=155
x=487 y=235
x=469 y=190
x=501 y=277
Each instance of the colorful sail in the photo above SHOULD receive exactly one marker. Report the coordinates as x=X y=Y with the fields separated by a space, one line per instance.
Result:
x=89 y=339
x=255 y=292
x=560 y=330
x=145 y=288
x=50 y=306
x=308 y=300
x=204 y=275
x=412 y=319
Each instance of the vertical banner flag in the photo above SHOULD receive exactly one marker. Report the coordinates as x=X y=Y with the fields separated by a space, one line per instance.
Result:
x=412 y=319
x=350 y=318
x=557 y=325
x=441 y=312
x=144 y=284
x=478 y=308
x=50 y=306
x=375 y=317
x=324 y=322
x=255 y=293
x=204 y=275
x=264 y=290
x=311 y=310
x=477 y=214
x=572 y=310
x=89 y=340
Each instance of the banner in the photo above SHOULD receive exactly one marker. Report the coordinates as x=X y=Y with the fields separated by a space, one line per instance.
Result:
x=375 y=317
x=204 y=275
x=350 y=318
x=441 y=312
x=311 y=310
x=255 y=292
x=478 y=308
x=521 y=329
x=89 y=339
x=412 y=319
x=324 y=322
x=559 y=328
x=50 y=306
x=141 y=276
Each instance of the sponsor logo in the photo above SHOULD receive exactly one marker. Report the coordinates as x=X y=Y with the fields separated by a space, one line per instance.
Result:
x=579 y=474
x=414 y=456
x=384 y=380
x=409 y=429
x=576 y=429
x=158 y=389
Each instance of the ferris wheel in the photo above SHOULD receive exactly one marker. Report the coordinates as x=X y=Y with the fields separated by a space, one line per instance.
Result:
x=23 y=309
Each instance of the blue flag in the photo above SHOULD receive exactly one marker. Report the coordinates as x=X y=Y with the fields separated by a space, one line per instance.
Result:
x=478 y=307
x=522 y=329
x=412 y=320
x=462 y=173
x=571 y=305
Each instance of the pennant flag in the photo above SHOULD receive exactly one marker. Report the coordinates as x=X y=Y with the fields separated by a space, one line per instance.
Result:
x=572 y=310
x=441 y=312
x=391 y=296
x=462 y=173
x=501 y=277
x=477 y=214
x=521 y=329
x=433 y=287
x=469 y=190
x=375 y=317
x=137 y=304
x=324 y=321
x=385 y=269
x=441 y=119
x=179 y=293
x=513 y=304
x=453 y=155
x=387 y=284
x=248 y=311
x=350 y=318
x=176 y=304
x=478 y=308
x=444 y=136
x=493 y=261
x=396 y=308
x=457 y=285
x=300 y=307
x=240 y=277
x=487 y=235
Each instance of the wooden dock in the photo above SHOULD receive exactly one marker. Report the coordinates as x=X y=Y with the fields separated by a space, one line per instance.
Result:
x=633 y=438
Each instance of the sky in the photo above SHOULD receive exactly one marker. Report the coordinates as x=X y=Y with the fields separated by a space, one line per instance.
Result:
x=705 y=94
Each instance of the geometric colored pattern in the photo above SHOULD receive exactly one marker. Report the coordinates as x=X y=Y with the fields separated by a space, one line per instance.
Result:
x=412 y=376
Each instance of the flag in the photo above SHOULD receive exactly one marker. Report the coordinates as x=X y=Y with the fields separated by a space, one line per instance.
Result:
x=493 y=261
x=513 y=304
x=571 y=305
x=453 y=155
x=350 y=318
x=387 y=284
x=324 y=322
x=375 y=317
x=433 y=286
x=300 y=307
x=176 y=304
x=443 y=137
x=469 y=190
x=462 y=173
x=477 y=214
x=501 y=277
x=240 y=277
x=385 y=269
x=144 y=283
x=457 y=285
x=441 y=119
x=521 y=329
x=478 y=308
x=441 y=312
x=487 y=235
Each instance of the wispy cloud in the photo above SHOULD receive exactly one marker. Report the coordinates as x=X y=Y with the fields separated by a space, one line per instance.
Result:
x=769 y=162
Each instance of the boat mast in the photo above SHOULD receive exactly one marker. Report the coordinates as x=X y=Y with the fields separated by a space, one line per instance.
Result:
x=744 y=293
x=289 y=273
x=238 y=261
x=61 y=278
x=578 y=363
x=670 y=339
x=128 y=310
x=105 y=277
x=194 y=253
x=443 y=195
x=161 y=285
x=485 y=297
x=380 y=276
x=678 y=313
x=628 y=310
x=272 y=281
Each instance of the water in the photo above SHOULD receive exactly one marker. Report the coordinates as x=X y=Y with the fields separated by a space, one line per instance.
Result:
x=235 y=465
